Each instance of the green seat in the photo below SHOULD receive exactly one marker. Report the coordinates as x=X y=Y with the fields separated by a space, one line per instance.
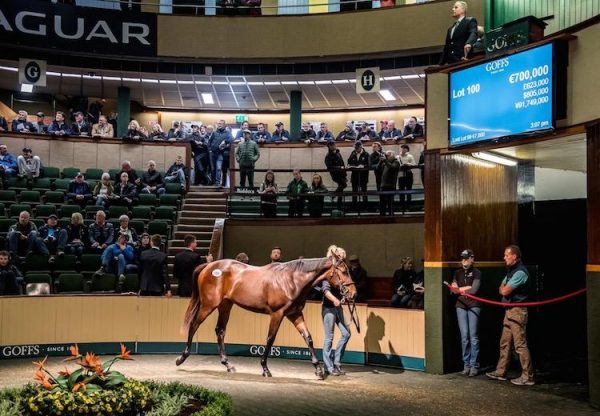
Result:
x=62 y=184
x=5 y=224
x=2 y=210
x=169 y=200
x=64 y=222
x=93 y=173
x=50 y=172
x=16 y=209
x=33 y=277
x=39 y=222
x=89 y=263
x=113 y=174
x=69 y=173
x=91 y=210
x=42 y=185
x=18 y=184
x=115 y=211
x=137 y=225
x=30 y=197
x=67 y=210
x=69 y=283
x=55 y=197
x=92 y=183
x=131 y=283
x=37 y=263
x=147 y=199
x=141 y=212
x=159 y=227
x=8 y=197
x=173 y=188
x=165 y=214
x=45 y=210
x=65 y=264
x=105 y=283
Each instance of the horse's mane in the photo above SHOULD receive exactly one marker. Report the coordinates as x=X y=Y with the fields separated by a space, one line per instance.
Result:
x=282 y=274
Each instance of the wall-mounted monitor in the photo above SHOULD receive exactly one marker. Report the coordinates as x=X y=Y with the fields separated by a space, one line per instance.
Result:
x=507 y=97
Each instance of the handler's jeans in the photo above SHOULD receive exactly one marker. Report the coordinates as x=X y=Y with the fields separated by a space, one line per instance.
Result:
x=513 y=332
x=331 y=317
x=468 y=323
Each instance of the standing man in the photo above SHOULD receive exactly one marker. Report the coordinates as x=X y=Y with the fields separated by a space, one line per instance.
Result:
x=389 y=174
x=219 y=143
x=514 y=290
x=246 y=155
x=359 y=163
x=359 y=277
x=199 y=143
x=460 y=36
x=406 y=178
x=294 y=191
x=335 y=165
x=467 y=280
x=154 y=280
x=186 y=262
x=333 y=314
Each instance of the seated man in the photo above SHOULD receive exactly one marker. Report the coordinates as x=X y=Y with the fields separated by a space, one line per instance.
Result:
x=132 y=175
x=261 y=135
x=39 y=126
x=365 y=134
x=391 y=133
x=152 y=181
x=412 y=130
x=50 y=239
x=80 y=127
x=21 y=125
x=58 y=127
x=132 y=237
x=307 y=134
x=118 y=258
x=101 y=234
x=103 y=129
x=125 y=192
x=21 y=236
x=177 y=173
x=29 y=165
x=11 y=280
x=280 y=134
x=348 y=134
x=8 y=165
x=79 y=191
x=177 y=132
x=324 y=135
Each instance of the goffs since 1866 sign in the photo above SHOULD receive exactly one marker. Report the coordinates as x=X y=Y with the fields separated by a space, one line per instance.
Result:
x=32 y=72
x=367 y=80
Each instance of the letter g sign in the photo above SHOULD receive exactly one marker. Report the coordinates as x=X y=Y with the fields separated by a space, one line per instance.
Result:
x=32 y=72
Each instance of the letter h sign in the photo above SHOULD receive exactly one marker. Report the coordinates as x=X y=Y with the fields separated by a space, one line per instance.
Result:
x=367 y=80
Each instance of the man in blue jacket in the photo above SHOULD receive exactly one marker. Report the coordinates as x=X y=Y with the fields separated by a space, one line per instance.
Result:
x=58 y=127
x=8 y=165
x=219 y=145
x=119 y=257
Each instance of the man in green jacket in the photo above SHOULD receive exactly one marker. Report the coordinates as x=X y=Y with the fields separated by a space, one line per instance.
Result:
x=294 y=192
x=246 y=155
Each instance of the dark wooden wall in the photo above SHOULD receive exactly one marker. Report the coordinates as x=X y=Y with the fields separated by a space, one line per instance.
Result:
x=593 y=193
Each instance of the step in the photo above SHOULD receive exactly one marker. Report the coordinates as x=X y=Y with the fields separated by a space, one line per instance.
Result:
x=174 y=250
x=187 y=229
x=205 y=201
x=207 y=195
x=204 y=208
x=196 y=219
x=181 y=243
x=200 y=235
x=201 y=214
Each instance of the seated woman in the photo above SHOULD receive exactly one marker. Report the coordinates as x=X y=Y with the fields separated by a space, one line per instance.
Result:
x=135 y=132
x=103 y=192
x=76 y=235
x=405 y=282
x=157 y=133
x=268 y=199
x=316 y=202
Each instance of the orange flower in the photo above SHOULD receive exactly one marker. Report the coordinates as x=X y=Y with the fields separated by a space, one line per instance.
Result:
x=74 y=353
x=91 y=361
x=39 y=376
x=65 y=373
x=124 y=353
x=46 y=384
x=78 y=386
x=41 y=364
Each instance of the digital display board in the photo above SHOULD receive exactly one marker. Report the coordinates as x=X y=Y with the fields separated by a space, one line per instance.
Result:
x=506 y=97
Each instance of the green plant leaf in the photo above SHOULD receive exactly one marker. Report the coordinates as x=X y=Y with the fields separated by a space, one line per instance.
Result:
x=75 y=377
x=92 y=388
x=114 y=380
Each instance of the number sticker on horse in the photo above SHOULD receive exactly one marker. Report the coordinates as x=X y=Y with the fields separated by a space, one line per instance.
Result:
x=217 y=273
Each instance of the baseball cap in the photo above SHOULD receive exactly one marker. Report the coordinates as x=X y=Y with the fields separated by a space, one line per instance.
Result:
x=279 y=123
x=79 y=174
x=466 y=254
x=27 y=149
x=53 y=216
x=358 y=143
x=330 y=142
x=40 y=114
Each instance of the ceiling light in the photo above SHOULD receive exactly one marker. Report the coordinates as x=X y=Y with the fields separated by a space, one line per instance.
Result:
x=237 y=83
x=203 y=82
x=422 y=75
x=352 y=81
x=207 y=98
x=67 y=75
x=323 y=82
x=220 y=83
x=255 y=83
x=490 y=157
x=150 y=81
x=168 y=81
x=394 y=78
x=53 y=74
x=289 y=83
x=413 y=76
x=26 y=87
x=111 y=78
x=272 y=83
x=186 y=82
x=131 y=79
x=9 y=68
x=387 y=95
x=340 y=81
x=305 y=82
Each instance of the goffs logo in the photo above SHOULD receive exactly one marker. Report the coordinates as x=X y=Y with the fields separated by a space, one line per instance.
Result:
x=497 y=65
x=32 y=72
x=20 y=351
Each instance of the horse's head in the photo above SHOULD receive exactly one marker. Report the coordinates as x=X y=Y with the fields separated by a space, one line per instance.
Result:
x=338 y=274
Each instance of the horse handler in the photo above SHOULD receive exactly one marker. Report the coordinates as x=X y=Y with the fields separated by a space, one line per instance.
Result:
x=333 y=314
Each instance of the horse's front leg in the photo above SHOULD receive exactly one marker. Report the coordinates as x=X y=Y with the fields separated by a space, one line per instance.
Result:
x=276 y=319
x=298 y=320
x=224 y=311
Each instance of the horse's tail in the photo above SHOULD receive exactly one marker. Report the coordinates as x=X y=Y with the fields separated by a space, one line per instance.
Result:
x=194 y=306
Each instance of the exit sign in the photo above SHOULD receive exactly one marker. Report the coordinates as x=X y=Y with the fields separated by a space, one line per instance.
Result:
x=240 y=118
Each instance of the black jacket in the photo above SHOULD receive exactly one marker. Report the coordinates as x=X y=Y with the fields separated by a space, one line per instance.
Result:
x=464 y=33
x=186 y=262
x=470 y=277
x=9 y=277
x=416 y=132
x=152 y=179
x=153 y=271
x=85 y=128
x=334 y=163
x=127 y=191
x=20 y=126
x=354 y=160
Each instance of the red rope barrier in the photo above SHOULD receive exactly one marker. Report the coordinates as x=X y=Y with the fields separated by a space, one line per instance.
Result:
x=521 y=304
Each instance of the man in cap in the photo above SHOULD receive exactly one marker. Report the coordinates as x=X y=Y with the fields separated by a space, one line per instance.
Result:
x=366 y=134
x=348 y=134
x=246 y=155
x=280 y=134
x=467 y=279
x=29 y=165
x=335 y=165
x=51 y=239
x=79 y=191
x=359 y=277
x=39 y=126
x=359 y=163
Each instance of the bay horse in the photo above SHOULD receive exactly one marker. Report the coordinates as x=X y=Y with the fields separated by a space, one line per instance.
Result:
x=278 y=289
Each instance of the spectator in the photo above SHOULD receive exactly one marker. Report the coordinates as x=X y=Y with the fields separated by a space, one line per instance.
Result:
x=80 y=126
x=219 y=143
x=246 y=155
x=176 y=132
x=118 y=258
x=103 y=192
x=134 y=132
x=21 y=125
x=389 y=175
x=125 y=192
x=152 y=181
x=240 y=133
x=375 y=162
x=324 y=135
x=359 y=277
x=29 y=165
x=40 y=127
x=185 y=264
x=50 y=239
x=280 y=134
x=59 y=127
x=307 y=134
x=113 y=121
x=199 y=143
x=101 y=233
x=79 y=191
x=21 y=236
x=8 y=165
x=11 y=279
x=422 y=164
x=177 y=173
x=412 y=130
x=294 y=192
x=268 y=198
x=131 y=174
x=316 y=202
x=467 y=279
x=403 y=281
x=391 y=133
x=242 y=258
x=359 y=177
x=348 y=134
x=157 y=133
x=76 y=235
x=103 y=129
x=154 y=280
x=406 y=178
x=143 y=246
x=125 y=229
x=383 y=127
x=262 y=135
x=335 y=165
x=366 y=134
x=3 y=124
x=460 y=36
x=275 y=255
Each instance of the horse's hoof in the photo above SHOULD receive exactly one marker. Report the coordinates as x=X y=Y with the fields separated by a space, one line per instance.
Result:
x=267 y=373
x=180 y=360
x=231 y=369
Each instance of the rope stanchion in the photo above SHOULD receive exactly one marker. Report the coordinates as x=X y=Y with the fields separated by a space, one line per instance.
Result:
x=520 y=304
